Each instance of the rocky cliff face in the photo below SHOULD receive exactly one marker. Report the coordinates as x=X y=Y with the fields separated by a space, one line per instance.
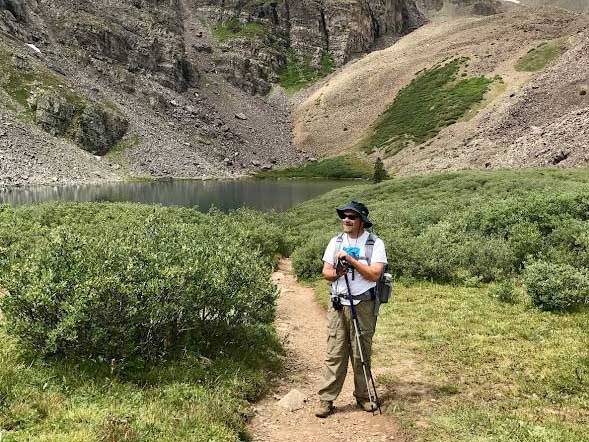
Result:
x=139 y=87
x=145 y=36
x=132 y=88
x=462 y=7
x=310 y=30
x=346 y=28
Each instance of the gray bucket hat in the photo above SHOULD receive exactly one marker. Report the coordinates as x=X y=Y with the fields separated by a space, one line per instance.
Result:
x=358 y=208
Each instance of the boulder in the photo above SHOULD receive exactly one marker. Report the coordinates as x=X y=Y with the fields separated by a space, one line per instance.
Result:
x=16 y=8
x=54 y=113
x=293 y=401
x=203 y=47
x=95 y=127
x=100 y=128
x=487 y=7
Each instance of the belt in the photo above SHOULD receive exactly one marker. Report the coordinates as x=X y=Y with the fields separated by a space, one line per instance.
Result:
x=367 y=295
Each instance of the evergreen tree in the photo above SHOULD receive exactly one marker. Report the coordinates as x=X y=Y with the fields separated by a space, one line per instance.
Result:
x=379 y=171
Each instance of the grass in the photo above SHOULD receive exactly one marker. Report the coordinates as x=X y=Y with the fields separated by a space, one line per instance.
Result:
x=298 y=72
x=538 y=58
x=117 y=152
x=458 y=363
x=341 y=167
x=436 y=98
x=461 y=366
x=233 y=28
x=20 y=84
x=191 y=399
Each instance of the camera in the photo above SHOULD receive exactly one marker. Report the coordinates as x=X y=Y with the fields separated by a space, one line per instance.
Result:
x=341 y=266
x=336 y=303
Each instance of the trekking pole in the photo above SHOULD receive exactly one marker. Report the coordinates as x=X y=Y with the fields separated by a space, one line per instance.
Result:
x=365 y=367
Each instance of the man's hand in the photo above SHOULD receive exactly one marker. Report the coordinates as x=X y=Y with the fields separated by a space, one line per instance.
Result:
x=333 y=272
x=370 y=272
x=341 y=267
x=341 y=254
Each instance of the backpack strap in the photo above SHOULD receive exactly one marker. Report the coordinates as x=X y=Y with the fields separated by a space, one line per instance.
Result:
x=339 y=240
x=369 y=247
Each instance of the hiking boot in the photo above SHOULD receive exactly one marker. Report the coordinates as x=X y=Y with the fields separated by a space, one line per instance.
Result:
x=366 y=405
x=324 y=409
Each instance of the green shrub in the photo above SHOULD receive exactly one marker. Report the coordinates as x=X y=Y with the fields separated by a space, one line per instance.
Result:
x=525 y=241
x=504 y=291
x=570 y=243
x=489 y=258
x=140 y=286
x=436 y=253
x=433 y=100
x=307 y=259
x=556 y=287
x=538 y=58
x=299 y=73
x=459 y=226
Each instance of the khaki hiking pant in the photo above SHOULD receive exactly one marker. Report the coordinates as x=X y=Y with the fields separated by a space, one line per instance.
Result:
x=342 y=345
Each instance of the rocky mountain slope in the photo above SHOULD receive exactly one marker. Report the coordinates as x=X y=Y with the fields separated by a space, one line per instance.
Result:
x=101 y=90
x=307 y=32
x=125 y=82
x=543 y=124
x=98 y=90
x=519 y=107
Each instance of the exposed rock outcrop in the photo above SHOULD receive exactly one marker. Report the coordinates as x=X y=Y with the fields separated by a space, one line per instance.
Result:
x=487 y=7
x=81 y=75
x=251 y=65
x=462 y=7
x=35 y=92
x=54 y=114
x=99 y=128
x=16 y=8
x=309 y=30
x=12 y=14
x=96 y=128
x=144 y=35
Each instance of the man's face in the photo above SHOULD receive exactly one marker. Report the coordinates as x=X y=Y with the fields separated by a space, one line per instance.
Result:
x=351 y=221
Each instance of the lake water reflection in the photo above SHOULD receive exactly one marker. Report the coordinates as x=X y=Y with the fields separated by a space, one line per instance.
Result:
x=225 y=195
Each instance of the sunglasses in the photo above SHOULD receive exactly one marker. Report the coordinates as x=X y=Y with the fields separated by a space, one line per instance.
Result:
x=350 y=217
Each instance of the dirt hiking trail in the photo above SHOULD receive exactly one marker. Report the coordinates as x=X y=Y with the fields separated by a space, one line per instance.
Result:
x=302 y=325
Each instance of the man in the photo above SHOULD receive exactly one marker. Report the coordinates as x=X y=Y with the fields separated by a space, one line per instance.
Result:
x=350 y=246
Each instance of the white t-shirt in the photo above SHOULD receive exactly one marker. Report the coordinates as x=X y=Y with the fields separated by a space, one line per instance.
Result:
x=358 y=284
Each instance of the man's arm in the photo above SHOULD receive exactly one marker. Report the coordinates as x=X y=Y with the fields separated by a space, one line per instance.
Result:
x=370 y=272
x=329 y=272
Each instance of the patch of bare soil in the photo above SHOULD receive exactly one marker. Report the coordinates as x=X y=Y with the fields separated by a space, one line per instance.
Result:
x=302 y=324
x=337 y=113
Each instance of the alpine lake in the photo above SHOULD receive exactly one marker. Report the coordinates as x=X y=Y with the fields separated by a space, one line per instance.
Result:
x=225 y=195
